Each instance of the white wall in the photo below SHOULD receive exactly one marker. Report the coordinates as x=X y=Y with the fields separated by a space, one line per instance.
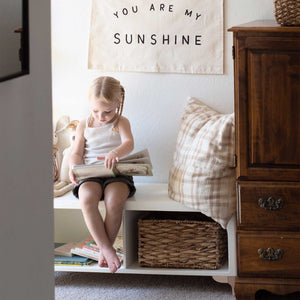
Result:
x=154 y=102
x=26 y=203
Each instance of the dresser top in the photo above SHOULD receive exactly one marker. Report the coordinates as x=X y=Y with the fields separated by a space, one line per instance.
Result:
x=264 y=25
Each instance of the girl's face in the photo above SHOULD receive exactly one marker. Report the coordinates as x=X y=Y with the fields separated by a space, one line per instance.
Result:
x=103 y=111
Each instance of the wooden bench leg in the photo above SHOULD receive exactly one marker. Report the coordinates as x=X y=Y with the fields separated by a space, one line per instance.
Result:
x=226 y=279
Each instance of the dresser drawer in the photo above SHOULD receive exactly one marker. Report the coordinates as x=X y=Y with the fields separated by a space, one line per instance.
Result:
x=269 y=255
x=263 y=205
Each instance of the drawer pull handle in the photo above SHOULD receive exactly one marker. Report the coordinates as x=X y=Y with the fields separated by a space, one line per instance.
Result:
x=270 y=254
x=270 y=203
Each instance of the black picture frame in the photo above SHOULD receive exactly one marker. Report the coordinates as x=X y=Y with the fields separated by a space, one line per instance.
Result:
x=24 y=45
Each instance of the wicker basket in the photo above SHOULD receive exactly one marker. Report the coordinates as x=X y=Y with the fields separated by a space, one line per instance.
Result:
x=177 y=240
x=287 y=12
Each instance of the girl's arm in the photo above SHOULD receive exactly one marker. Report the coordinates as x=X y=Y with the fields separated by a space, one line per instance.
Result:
x=125 y=148
x=126 y=137
x=77 y=151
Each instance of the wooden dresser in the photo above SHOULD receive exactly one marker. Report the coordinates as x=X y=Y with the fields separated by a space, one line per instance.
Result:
x=267 y=114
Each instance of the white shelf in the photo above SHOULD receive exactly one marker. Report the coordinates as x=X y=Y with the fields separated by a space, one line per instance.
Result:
x=93 y=268
x=67 y=201
x=136 y=269
x=148 y=198
x=152 y=197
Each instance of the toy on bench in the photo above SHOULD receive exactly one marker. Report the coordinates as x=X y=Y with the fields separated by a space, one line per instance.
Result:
x=62 y=144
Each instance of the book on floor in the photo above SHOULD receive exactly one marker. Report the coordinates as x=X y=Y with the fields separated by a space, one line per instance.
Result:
x=137 y=164
x=89 y=249
x=64 y=249
x=74 y=260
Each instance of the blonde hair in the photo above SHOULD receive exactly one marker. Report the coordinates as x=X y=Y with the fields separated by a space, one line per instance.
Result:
x=111 y=90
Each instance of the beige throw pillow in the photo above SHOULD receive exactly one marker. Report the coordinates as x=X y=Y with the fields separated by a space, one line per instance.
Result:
x=202 y=175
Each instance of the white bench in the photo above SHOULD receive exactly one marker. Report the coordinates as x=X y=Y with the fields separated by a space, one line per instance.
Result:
x=69 y=226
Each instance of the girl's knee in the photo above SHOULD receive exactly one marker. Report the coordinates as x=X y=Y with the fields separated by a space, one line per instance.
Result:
x=89 y=194
x=87 y=202
x=117 y=190
x=115 y=205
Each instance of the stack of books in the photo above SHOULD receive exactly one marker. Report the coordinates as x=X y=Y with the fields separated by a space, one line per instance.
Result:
x=89 y=249
x=64 y=257
x=83 y=253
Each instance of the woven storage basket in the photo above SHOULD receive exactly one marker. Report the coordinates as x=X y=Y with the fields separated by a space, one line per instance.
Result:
x=177 y=240
x=287 y=12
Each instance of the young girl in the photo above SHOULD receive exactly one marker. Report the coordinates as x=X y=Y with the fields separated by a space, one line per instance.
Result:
x=105 y=135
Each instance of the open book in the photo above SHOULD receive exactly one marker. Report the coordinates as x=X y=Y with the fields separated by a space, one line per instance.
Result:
x=137 y=164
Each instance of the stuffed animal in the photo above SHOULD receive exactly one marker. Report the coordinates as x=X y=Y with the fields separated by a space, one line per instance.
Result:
x=65 y=131
x=56 y=158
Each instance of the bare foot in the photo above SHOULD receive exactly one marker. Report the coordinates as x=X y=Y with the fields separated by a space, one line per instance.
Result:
x=112 y=259
x=102 y=261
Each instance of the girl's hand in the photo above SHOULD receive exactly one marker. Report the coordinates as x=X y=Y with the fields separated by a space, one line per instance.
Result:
x=72 y=177
x=110 y=160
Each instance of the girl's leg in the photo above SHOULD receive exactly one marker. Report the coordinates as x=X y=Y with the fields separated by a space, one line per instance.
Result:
x=115 y=195
x=89 y=195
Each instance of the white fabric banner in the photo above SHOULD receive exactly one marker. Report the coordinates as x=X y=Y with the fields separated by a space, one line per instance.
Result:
x=174 y=36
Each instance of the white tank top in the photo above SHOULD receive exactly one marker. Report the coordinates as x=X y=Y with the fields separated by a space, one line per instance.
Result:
x=100 y=141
